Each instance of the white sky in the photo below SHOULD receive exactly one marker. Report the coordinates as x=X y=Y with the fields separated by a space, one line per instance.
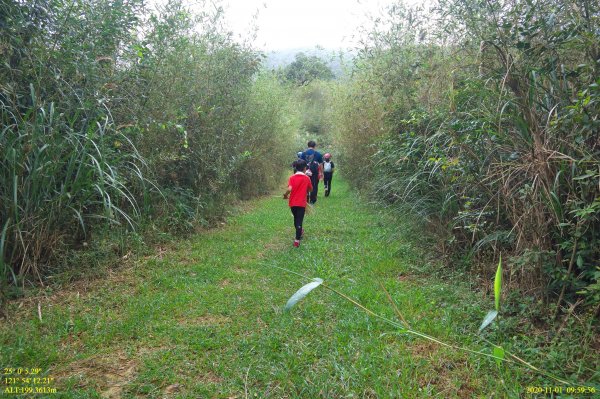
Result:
x=287 y=24
x=291 y=24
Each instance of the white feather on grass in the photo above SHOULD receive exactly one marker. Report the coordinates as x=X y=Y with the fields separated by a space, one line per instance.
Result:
x=302 y=292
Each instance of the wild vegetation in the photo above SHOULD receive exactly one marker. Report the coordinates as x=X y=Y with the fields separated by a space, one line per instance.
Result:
x=115 y=116
x=482 y=117
x=206 y=318
x=123 y=125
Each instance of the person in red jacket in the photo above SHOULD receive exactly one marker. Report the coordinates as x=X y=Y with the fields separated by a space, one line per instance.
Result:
x=298 y=186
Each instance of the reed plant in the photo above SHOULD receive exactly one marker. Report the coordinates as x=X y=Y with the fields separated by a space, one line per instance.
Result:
x=489 y=129
x=117 y=116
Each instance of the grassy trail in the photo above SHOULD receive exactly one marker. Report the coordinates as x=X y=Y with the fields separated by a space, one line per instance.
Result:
x=204 y=319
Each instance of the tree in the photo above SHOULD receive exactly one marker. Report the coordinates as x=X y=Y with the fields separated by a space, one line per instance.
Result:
x=305 y=69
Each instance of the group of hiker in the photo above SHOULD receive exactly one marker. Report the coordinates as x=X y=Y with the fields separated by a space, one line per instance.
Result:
x=303 y=185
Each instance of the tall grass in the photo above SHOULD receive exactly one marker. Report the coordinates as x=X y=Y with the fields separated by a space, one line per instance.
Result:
x=113 y=114
x=55 y=180
x=489 y=128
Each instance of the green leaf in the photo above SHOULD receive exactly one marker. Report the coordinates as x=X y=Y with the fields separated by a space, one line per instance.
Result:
x=302 y=292
x=488 y=319
x=498 y=352
x=586 y=176
x=586 y=101
x=498 y=284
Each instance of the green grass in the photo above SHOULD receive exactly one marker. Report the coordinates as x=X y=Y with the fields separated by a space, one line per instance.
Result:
x=205 y=318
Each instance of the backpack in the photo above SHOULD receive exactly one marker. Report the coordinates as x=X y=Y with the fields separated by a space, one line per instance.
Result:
x=312 y=163
x=327 y=166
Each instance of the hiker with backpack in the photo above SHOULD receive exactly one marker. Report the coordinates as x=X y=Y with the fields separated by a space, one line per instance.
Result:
x=314 y=161
x=327 y=173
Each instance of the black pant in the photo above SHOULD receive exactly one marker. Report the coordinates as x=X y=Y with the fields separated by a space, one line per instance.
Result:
x=298 y=212
x=314 y=179
x=327 y=176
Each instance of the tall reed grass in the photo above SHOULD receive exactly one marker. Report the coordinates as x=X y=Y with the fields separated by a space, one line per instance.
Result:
x=113 y=114
x=488 y=126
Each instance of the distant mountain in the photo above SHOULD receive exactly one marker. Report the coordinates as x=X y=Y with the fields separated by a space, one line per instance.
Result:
x=337 y=60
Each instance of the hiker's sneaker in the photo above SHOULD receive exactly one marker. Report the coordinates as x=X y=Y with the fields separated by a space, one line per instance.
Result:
x=296 y=243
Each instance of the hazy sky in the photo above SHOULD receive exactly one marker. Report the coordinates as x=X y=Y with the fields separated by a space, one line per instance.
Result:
x=284 y=24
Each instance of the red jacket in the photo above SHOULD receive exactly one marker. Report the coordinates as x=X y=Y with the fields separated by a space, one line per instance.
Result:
x=301 y=185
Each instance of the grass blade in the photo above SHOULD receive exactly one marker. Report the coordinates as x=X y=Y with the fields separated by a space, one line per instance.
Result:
x=498 y=284
x=389 y=297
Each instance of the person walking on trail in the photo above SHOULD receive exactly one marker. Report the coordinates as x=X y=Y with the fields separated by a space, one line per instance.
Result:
x=298 y=186
x=314 y=161
x=327 y=173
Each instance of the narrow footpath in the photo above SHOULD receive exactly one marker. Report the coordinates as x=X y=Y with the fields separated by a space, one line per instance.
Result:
x=205 y=319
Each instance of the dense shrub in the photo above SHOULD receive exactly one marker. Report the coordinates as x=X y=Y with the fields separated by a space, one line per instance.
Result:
x=64 y=162
x=490 y=119
x=112 y=113
x=358 y=122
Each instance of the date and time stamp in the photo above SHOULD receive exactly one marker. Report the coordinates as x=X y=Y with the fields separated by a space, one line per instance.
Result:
x=570 y=390
x=32 y=381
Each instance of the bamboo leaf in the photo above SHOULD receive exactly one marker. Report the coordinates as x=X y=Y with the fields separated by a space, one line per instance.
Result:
x=488 y=319
x=302 y=292
x=498 y=284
